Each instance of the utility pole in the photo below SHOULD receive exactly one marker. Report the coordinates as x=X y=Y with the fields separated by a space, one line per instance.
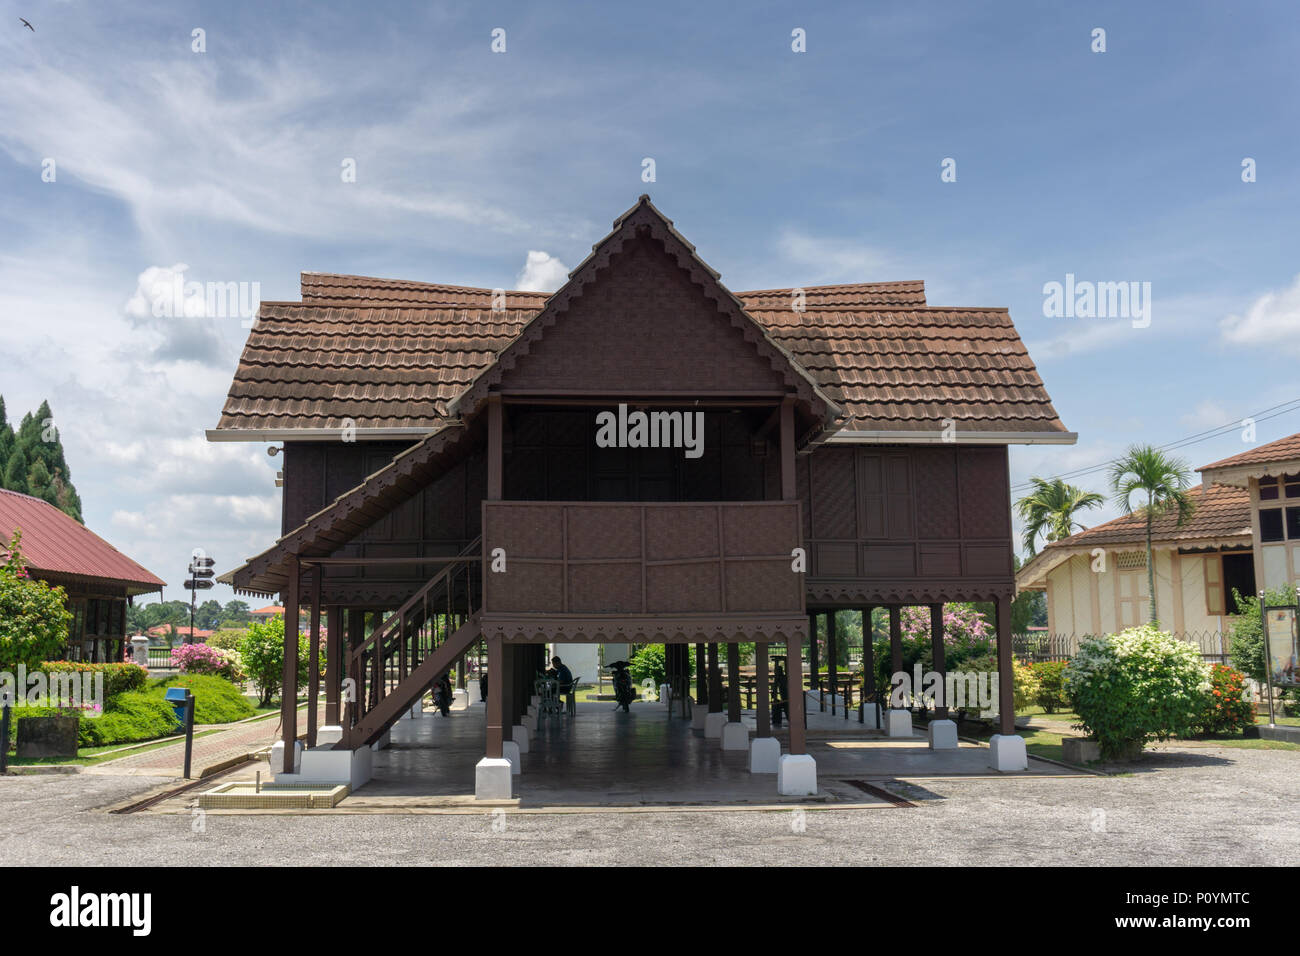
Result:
x=200 y=580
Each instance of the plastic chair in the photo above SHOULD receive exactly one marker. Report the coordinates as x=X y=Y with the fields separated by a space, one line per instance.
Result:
x=570 y=693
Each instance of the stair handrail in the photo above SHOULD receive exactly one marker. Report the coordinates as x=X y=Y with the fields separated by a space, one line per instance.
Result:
x=470 y=554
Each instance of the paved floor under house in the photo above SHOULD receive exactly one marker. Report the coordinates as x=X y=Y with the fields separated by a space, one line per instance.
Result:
x=605 y=758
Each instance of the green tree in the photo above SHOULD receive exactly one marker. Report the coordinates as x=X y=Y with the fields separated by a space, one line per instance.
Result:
x=34 y=617
x=262 y=650
x=1145 y=470
x=207 y=616
x=6 y=438
x=1049 y=510
x=16 y=469
x=1246 y=638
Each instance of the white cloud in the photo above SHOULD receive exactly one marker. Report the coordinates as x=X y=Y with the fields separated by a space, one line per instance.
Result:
x=1273 y=320
x=542 y=272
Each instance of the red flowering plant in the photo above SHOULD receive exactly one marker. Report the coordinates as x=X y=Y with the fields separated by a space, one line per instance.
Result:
x=1226 y=709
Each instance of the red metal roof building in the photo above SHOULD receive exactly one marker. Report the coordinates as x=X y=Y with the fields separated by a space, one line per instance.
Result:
x=99 y=580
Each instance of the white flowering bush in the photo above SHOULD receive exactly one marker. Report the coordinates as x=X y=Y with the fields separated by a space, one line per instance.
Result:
x=1138 y=685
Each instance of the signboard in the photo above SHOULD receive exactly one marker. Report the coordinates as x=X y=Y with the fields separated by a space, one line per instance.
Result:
x=1282 y=646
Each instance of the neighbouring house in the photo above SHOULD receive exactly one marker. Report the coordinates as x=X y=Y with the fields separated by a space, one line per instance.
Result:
x=1096 y=580
x=266 y=613
x=99 y=580
x=639 y=457
x=183 y=633
x=1268 y=478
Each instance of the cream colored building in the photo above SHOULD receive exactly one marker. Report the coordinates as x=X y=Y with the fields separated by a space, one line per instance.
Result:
x=1270 y=476
x=1096 y=580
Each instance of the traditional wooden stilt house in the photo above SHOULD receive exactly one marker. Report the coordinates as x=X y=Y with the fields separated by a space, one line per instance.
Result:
x=642 y=456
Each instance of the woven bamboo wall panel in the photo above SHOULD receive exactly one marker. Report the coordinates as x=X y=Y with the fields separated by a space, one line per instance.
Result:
x=604 y=533
x=526 y=587
x=834 y=491
x=742 y=535
x=683 y=588
x=985 y=503
x=686 y=532
x=526 y=531
x=603 y=588
x=762 y=586
x=936 y=493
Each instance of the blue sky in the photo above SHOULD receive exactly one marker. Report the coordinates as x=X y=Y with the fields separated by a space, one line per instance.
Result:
x=783 y=168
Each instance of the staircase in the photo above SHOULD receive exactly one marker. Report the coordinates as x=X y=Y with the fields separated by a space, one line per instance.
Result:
x=400 y=660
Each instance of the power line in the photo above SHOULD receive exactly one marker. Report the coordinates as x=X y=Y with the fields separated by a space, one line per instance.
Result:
x=1271 y=412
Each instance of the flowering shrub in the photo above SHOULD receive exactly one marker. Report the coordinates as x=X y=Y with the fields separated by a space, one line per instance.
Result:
x=33 y=618
x=1226 y=709
x=965 y=631
x=1027 y=685
x=1138 y=685
x=262 y=650
x=202 y=659
x=1051 y=686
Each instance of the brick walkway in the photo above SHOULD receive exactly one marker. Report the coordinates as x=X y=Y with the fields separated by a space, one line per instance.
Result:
x=229 y=742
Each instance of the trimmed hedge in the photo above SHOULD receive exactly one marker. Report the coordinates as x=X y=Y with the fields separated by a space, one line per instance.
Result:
x=216 y=700
x=130 y=717
x=118 y=678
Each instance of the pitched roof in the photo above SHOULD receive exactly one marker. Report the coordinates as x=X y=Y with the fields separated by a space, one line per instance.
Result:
x=1256 y=462
x=53 y=542
x=1221 y=516
x=393 y=355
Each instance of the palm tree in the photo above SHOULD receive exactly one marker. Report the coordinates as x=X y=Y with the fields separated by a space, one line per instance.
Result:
x=1164 y=481
x=1049 y=510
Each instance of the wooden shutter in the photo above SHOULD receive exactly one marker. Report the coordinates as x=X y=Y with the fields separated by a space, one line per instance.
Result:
x=1213 y=565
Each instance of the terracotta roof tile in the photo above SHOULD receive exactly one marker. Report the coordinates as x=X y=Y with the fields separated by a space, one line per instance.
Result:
x=1220 y=511
x=54 y=542
x=1284 y=449
x=394 y=353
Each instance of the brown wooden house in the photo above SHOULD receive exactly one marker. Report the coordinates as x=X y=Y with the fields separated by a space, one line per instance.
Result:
x=99 y=580
x=444 y=481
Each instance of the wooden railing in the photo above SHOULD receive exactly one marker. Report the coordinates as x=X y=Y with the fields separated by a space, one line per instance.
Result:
x=398 y=647
x=641 y=558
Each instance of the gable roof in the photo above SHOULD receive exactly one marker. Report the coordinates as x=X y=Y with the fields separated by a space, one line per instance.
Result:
x=1274 y=458
x=1221 y=517
x=55 y=543
x=395 y=356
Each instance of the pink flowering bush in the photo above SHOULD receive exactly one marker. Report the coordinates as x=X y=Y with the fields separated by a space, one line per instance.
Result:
x=202 y=659
x=966 y=633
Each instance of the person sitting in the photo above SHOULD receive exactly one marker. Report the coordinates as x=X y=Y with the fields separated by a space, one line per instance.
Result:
x=563 y=676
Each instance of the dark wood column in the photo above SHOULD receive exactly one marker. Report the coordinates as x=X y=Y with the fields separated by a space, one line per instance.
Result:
x=289 y=676
x=789 y=491
x=832 y=658
x=764 y=712
x=313 y=656
x=814 y=665
x=715 y=681
x=895 y=643
x=494 y=451
x=868 y=660
x=333 y=662
x=733 y=682
x=1006 y=677
x=794 y=696
x=701 y=676
x=936 y=652
x=496 y=702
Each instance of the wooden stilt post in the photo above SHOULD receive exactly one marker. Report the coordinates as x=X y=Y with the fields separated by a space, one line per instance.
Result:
x=832 y=664
x=313 y=656
x=1006 y=676
x=764 y=712
x=333 y=662
x=701 y=676
x=289 y=676
x=794 y=696
x=868 y=661
x=733 y=682
x=496 y=702
x=895 y=642
x=715 y=681
x=936 y=652
x=814 y=665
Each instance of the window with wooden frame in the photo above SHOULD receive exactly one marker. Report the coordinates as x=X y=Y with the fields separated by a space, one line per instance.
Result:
x=1226 y=576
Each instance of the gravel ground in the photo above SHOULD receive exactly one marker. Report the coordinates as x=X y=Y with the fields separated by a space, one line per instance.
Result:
x=1180 y=805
